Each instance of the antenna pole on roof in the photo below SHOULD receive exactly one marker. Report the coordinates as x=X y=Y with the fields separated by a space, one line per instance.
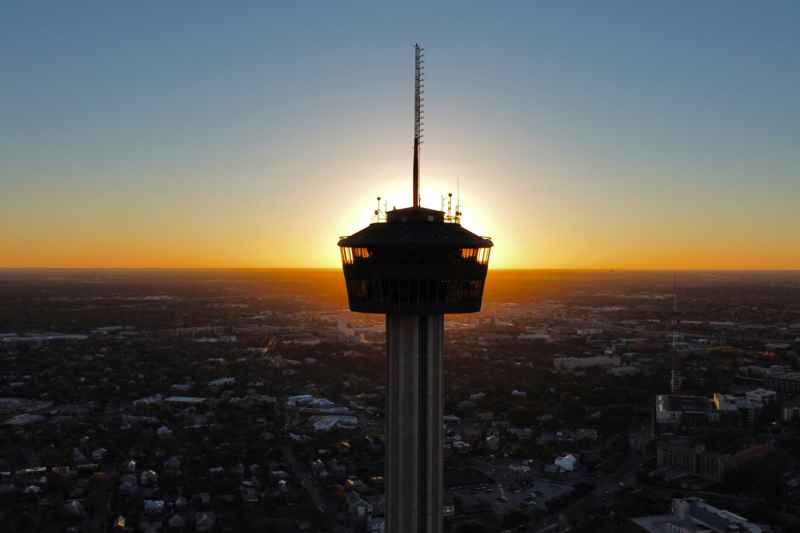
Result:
x=458 y=200
x=449 y=215
x=418 y=85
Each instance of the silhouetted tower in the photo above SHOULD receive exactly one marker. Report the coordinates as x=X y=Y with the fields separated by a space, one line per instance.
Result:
x=414 y=267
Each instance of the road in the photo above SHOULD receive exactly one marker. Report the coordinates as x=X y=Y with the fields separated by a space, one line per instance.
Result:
x=307 y=482
x=604 y=489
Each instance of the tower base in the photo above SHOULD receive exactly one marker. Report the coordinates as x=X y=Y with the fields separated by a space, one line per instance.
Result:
x=414 y=405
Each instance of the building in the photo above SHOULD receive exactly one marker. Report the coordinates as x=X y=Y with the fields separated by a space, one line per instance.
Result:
x=747 y=407
x=566 y=463
x=784 y=382
x=735 y=409
x=779 y=378
x=791 y=410
x=693 y=515
x=673 y=411
x=624 y=371
x=763 y=396
x=414 y=266
x=580 y=363
x=693 y=459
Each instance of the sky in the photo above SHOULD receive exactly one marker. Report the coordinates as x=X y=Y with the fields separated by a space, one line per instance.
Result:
x=624 y=135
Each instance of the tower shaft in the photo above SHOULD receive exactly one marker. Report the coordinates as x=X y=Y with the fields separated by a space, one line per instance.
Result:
x=414 y=405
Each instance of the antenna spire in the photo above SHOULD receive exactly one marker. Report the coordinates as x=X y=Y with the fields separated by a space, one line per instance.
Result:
x=418 y=86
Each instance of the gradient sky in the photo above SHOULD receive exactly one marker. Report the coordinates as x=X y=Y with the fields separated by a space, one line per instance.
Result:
x=585 y=135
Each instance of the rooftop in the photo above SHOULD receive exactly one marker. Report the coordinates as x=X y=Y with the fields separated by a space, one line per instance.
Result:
x=418 y=226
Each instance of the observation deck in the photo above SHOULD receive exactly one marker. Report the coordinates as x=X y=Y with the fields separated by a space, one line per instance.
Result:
x=415 y=262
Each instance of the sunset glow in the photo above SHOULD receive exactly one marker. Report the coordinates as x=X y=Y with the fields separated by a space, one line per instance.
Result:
x=259 y=148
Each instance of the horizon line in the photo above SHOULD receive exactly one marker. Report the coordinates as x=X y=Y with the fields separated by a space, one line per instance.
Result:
x=289 y=268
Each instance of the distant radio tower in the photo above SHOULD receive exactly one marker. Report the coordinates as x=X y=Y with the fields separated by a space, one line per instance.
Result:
x=674 y=312
x=676 y=379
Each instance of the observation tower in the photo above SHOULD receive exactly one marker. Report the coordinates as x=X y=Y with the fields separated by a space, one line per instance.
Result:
x=414 y=267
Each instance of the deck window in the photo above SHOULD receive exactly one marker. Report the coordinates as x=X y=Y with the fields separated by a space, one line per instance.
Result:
x=361 y=253
x=347 y=255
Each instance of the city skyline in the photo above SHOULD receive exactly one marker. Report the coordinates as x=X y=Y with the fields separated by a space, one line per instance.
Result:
x=604 y=137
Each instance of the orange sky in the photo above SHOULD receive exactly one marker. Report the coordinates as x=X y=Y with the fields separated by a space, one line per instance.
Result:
x=252 y=229
x=634 y=138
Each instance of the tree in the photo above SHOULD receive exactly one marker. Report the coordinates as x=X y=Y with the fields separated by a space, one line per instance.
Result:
x=471 y=527
x=515 y=518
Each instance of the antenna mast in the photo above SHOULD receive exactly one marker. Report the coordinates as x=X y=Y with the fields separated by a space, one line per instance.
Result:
x=458 y=200
x=418 y=85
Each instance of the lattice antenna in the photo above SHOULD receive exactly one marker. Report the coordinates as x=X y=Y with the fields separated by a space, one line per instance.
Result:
x=418 y=116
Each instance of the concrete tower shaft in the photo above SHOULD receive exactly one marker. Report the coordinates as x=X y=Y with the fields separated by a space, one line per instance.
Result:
x=414 y=404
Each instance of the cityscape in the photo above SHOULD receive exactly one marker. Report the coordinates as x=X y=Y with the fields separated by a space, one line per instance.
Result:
x=253 y=401
x=419 y=267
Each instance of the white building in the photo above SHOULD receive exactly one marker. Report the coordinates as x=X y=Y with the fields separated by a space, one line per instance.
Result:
x=691 y=515
x=222 y=382
x=566 y=463
x=328 y=422
x=763 y=396
x=620 y=371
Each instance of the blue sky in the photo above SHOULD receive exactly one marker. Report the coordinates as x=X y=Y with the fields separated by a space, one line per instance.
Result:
x=585 y=134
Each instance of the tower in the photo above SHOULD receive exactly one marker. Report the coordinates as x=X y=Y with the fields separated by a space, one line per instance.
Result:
x=675 y=377
x=414 y=267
